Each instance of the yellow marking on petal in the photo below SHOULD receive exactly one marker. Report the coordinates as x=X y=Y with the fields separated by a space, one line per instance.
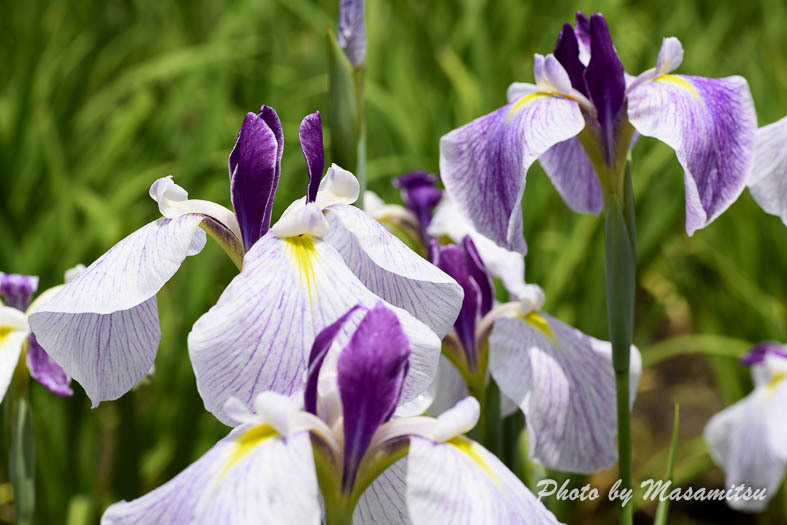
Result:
x=469 y=448
x=680 y=82
x=523 y=101
x=539 y=322
x=5 y=331
x=303 y=253
x=247 y=442
x=774 y=382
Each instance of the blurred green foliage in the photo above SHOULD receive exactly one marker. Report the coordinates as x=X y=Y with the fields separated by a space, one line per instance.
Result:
x=99 y=98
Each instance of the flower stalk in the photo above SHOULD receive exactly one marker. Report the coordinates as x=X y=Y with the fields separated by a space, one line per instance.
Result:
x=620 y=265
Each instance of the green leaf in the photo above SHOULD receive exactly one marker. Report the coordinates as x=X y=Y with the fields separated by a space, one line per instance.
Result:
x=22 y=461
x=705 y=344
x=663 y=508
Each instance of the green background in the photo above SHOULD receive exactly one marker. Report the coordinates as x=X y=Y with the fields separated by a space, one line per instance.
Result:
x=100 y=98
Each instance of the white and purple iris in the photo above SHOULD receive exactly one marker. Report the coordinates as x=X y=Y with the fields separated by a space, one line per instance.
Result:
x=579 y=120
x=748 y=440
x=338 y=456
x=16 y=291
x=297 y=277
x=560 y=378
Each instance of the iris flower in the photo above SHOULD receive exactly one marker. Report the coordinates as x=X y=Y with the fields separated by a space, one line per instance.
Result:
x=341 y=446
x=16 y=340
x=581 y=116
x=768 y=179
x=297 y=277
x=748 y=440
x=561 y=378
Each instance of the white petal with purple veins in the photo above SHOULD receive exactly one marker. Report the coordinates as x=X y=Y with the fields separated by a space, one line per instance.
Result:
x=569 y=169
x=384 y=502
x=768 y=179
x=710 y=123
x=251 y=476
x=483 y=164
x=102 y=327
x=742 y=442
x=259 y=334
x=393 y=271
x=460 y=482
x=564 y=383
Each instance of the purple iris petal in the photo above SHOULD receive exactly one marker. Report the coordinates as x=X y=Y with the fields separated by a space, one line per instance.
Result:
x=44 y=369
x=454 y=261
x=583 y=29
x=479 y=274
x=254 y=166
x=758 y=354
x=352 y=31
x=322 y=343
x=420 y=194
x=310 y=135
x=606 y=82
x=17 y=290
x=371 y=372
x=567 y=53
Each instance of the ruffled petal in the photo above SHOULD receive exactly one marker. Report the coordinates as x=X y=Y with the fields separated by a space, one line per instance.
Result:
x=251 y=476
x=564 y=383
x=768 y=179
x=483 y=164
x=393 y=271
x=259 y=334
x=461 y=482
x=741 y=443
x=711 y=124
x=569 y=169
x=102 y=327
x=384 y=502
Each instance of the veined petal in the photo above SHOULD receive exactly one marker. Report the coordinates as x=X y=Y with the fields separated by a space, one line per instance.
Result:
x=44 y=369
x=741 y=443
x=484 y=163
x=570 y=171
x=370 y=374
x=451 y=387
x=564 y=383
x=768 y=179
x=254 y=166
x=461 y=482
x=259 y=334
x=351 y=34
x=102 y=327
x=384 y=502
x=504 y=264
x=13 y=332
x=711 y=124
x=251 y=476
x=393 y=271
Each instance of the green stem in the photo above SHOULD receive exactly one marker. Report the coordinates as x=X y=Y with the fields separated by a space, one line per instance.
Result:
x=22 y=453
x=620 y=263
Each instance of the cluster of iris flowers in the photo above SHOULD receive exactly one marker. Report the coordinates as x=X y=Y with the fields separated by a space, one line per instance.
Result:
x=350 y=365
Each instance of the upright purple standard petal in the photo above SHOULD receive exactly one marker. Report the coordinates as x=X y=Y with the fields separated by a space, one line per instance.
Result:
x=606 y=83
x=479 y=274
x=583 y=36
x=17 y=290
x=310 y=135
x=352 y=31
x=567 y=53
x=371 y=372
x=322 y=343
x=420 y=194
x=44 y=369
x=254 y=166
